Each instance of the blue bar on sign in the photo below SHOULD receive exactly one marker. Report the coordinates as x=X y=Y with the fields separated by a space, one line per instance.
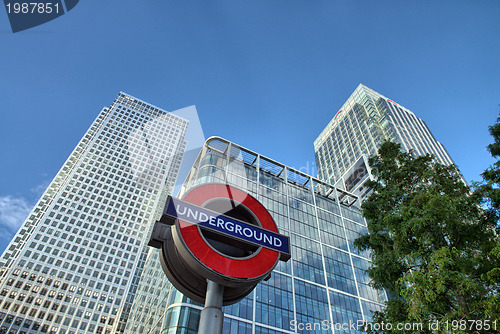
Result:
x=227 y=225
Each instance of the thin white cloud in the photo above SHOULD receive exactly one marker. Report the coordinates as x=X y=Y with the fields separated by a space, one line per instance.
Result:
x=5 y=237
x=13 y=212
x=39 y=189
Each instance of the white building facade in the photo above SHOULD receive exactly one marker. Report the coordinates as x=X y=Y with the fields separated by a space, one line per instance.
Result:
x=74 y=264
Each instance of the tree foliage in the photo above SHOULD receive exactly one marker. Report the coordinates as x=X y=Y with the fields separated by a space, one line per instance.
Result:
x=431 y=241
x=489 y=194
x=489 y=190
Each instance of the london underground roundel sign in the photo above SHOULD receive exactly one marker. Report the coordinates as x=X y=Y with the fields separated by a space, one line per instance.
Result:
x=220 y=233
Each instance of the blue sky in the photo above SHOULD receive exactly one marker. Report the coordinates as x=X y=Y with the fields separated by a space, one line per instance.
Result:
x=268 y=75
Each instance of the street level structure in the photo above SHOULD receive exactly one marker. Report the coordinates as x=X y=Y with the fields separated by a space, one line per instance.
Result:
x=324 y=282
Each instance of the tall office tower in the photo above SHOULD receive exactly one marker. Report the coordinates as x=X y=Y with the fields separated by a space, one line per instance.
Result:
x=323 y=284
x=359 y=128
x=74 y=264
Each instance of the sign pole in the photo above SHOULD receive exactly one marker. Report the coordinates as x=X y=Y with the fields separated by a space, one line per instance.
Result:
x=211 y=319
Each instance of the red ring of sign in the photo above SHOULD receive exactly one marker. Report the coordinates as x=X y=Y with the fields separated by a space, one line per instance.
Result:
x=253 y=267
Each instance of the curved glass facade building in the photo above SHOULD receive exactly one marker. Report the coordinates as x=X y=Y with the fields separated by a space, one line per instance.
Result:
x=365 y=120
x=324 y=285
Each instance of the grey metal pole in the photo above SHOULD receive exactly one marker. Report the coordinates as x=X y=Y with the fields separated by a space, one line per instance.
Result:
x=211 y=319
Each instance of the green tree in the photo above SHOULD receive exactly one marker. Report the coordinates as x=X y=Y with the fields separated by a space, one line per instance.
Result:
x=489 y=189
x=431 y=242
x=489 y=193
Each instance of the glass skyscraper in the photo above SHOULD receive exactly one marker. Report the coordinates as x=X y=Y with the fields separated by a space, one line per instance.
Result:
x=74 y=265
x=324 y=286
x=365 y=120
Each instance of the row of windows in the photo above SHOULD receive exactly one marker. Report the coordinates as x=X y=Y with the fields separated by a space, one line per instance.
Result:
x=23 y=324
x=274 y=301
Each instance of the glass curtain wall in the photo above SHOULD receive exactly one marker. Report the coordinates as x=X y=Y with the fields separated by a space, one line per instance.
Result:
x=323 y=285
x=359 y=128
